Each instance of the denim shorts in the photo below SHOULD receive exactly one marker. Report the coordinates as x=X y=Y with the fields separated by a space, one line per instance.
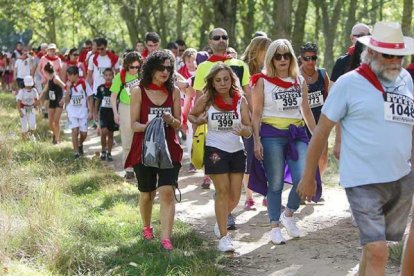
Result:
x=381 y=210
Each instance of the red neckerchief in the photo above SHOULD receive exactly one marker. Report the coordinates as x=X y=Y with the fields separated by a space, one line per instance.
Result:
x=351 y=50
x=123 y=76
x=162 y=88
x=108 y=84
x=111 y=56
x=410 y=66
x=39 y=54
x=184 y=72
x=51 y=58
x=145 y=53
x=215 y=58
x=72 y=63
x=80 y=81
x=275 y=80
x=368 y=74
x=219 y=102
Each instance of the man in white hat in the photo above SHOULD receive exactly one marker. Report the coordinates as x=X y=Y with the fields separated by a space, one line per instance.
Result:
x=374 y=106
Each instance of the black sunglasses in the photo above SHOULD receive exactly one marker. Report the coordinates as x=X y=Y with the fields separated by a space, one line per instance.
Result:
x=285 y=56
x=308 y=58
x=162 y=68
x=358 y=35
x=100 y=48
x=387 y=56
x=217 y=37
x=134 y=67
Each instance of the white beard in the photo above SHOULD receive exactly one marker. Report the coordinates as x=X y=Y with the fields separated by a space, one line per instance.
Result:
x=384 y=72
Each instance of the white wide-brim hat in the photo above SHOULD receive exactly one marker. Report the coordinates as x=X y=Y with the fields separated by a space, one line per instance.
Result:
x=28 y=81
x=387 y=38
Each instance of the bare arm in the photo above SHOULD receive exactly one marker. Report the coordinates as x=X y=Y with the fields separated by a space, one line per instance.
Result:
x=45 y=90
x=136 y=100
x=174 y=120
x=248 y=94
x=257 y=103
x=90 y=73
x=114 y=104
x=305 y=109
x=244 y=129
x=307 y=186
x=198 y=115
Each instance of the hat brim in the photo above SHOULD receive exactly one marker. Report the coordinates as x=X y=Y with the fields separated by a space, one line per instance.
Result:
x=29 y=84
x=407 y=50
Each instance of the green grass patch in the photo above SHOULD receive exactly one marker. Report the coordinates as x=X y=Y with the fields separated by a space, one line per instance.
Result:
x=61 y=216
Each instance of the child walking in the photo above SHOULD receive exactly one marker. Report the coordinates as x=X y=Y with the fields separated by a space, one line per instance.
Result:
x=27 y=99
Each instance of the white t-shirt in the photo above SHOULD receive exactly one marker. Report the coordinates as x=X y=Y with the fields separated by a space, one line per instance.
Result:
x=23 y=67
x=103 y=63
x=78 y=106
x=27 y=97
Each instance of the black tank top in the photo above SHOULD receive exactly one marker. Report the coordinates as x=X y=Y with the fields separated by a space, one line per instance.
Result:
x=317 y=87
x=55 y=91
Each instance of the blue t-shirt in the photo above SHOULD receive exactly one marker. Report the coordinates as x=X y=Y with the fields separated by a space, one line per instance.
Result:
x=373 y=150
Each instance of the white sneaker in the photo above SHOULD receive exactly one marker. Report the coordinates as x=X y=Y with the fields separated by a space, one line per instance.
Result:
x=276 y=236
x=226 y=244
x=217 y=231
x=290 y=225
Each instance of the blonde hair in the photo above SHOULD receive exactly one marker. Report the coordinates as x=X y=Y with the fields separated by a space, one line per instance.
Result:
x=257 y=45
x=189 y=52
x=280 y=46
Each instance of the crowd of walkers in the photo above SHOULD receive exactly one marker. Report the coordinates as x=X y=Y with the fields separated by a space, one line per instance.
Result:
x=267 y=118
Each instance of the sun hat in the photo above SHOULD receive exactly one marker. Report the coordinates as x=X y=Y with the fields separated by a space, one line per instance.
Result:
x=51 y=46
x=28 y=81
x=360 y=29
x=387 y=38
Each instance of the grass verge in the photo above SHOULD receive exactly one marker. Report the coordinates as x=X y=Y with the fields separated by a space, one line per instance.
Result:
x=60 y=216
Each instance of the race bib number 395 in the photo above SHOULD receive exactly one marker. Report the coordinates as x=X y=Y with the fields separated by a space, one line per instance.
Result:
x=399 y=108
x=287 y=100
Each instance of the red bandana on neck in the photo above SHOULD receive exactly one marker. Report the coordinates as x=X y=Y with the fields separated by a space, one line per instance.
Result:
x=145 y=53
x=51 y=58
x=365 y=71
x=275 y=80
x=72 y=63
x=162 y=88
x=111 y=56
x=108 y=84
x=80 y=81
x=219 y=102
x=184 y=72
x=410 y=66
x=216 y=58
x=351 y=50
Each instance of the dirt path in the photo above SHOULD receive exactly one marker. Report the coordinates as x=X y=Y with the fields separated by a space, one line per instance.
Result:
x=328 y=246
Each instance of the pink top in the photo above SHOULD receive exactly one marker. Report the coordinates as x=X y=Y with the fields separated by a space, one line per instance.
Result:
x=56 y=63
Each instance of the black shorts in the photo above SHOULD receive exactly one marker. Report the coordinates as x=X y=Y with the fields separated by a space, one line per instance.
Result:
x=20 y=83
x=55 y=103
x=217 y=161
x=106 y=120
x=150 y=178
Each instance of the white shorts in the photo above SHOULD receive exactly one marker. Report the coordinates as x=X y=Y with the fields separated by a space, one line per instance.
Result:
x=81 y=123
x=28 y=121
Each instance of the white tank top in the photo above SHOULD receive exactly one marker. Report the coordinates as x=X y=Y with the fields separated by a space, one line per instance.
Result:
x=220 y=126
x=282 y=102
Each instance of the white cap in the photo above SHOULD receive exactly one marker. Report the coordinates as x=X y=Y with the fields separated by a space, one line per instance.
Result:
x=51 y=46
x=28 y=81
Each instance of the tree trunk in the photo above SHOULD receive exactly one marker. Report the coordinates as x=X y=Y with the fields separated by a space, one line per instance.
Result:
x=179 y=19
x=163 y=23
x=206 y=17
x=51 y=22
x=299 y=27
x=129 y=15
x=225 y=17
x=407 y=17
x=248 y=22
x=350 y=22
x=282 y=10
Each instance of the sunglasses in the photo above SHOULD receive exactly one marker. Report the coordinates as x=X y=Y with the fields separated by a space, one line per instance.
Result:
x=134 y=67
x=162 y=68
x=309 y=58
x=285 y=56
x=386 y=56
x=100 y=48
x=75 y=55
x=217 y=37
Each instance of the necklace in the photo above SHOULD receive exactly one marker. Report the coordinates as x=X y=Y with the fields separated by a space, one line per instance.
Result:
x=308 y=77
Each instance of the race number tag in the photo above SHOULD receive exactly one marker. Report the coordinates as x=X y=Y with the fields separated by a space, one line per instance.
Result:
x=106 y=102
x=399 y=108
x=77 y=100
x=224 y=121
x=52 y=95
x=287 y=100
x=128 y=90
x=101 y=71
x=157 y=112
x=315 y=99
x=28 y=109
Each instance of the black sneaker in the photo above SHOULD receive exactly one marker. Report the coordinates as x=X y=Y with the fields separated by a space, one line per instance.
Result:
x=76 y=155
x=103 y=155
x=81 y=149
x=129 y=175
x=109 y=157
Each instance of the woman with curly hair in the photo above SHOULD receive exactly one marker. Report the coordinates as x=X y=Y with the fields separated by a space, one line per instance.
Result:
x=156 y=96
x=226 y=113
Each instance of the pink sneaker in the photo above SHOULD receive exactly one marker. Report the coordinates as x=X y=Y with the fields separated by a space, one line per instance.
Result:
x=248 y=205
x=147 y=233
x=167 y=245
x=264 y=202
x=206 y=183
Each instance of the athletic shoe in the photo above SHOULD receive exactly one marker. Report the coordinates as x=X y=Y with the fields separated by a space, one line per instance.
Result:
x=167 y=245
x=129 y=175
x=94 y=126
x=109 y=157
x=206 y=183
x=226 y=244
x=276 y=236
x=103 y=155
x=81 y=150
x=147 y=233
x=76 y=155
x=290 y=225
x=217 y=231
x=248 y=205
x=264 y=202
x=231 y=224
x=192 y=169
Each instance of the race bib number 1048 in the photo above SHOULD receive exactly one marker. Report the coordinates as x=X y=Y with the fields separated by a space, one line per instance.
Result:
x=399 y=108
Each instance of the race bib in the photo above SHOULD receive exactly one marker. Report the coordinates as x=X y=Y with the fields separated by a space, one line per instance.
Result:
x=398 y=108
x=106 y=102
x=223 y=121
x=287 y=100
x=315 y=99
x=77 y=100
x=128 y=90
x=101 y=71
x=52 y=95
x=28 y=109
x=157 y=112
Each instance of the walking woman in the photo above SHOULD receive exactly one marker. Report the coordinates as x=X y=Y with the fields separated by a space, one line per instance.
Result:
x=280 y=110
x=54 y=89
x=226 y=113
x=156 y=97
